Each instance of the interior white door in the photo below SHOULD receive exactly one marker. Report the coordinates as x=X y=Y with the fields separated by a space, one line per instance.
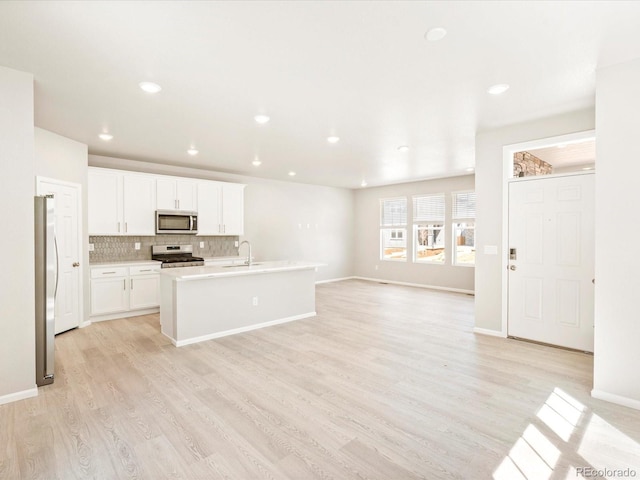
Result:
x=551 y=264
x=67 y=228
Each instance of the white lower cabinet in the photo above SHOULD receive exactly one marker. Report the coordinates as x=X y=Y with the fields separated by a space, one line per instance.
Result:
x=122 y=291
x=109 y=295
x=144 y=288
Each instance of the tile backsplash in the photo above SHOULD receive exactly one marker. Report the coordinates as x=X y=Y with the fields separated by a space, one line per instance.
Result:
x=115 y=249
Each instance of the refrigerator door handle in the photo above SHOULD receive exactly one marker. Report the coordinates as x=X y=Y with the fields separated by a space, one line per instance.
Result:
x=55 y=243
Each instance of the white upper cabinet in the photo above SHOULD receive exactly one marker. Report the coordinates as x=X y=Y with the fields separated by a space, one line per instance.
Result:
x=232 y=209
x=105 y=202
x=139 y=203
x=220 y=208
x=121 y=203
x=125 y=203
x=209 y=209
x=176 y=194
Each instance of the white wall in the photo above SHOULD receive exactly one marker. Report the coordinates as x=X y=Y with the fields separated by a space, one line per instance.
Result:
x=490 y=269
x=367 y=228
x=617 y=317
x=277 y=214
x=17 y=290
x=64 y=159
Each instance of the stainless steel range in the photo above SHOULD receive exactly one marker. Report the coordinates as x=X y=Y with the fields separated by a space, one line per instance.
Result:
x=173 y=256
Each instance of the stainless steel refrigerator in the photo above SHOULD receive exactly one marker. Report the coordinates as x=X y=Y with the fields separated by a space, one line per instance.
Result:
x=46 y=271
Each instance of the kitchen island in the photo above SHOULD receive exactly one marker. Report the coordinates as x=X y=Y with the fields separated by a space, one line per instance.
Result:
x=202 y=303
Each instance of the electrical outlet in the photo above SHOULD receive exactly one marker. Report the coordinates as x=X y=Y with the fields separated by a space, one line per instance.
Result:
x=91 y=247
x=237 y=244
x=137 y=246
x=201 y=244
x=255 y=301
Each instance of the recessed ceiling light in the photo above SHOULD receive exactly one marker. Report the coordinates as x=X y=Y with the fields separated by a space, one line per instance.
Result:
x=150 y=87
x=105 y=136
x=292 y=174
x=256 y=163
x=498 y=89
x=261 y=118
x=333 y=139
x=364 y=183
x=470 y=169
x=192 y=151
x=435 y=34
x=403 y=148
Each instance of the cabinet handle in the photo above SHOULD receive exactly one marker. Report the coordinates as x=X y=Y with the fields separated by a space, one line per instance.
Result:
x=125 y=227
x=124 y=284
x=107 y=273
x=145 y=270
x=118 y=227
x=132 y=284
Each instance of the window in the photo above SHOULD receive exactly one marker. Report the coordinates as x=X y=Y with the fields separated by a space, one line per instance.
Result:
x=428 y=228
x=393 y=229
x=464 y=214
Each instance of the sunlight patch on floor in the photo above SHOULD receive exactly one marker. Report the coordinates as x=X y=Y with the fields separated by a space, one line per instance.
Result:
x=605 y=447
x=602 y=446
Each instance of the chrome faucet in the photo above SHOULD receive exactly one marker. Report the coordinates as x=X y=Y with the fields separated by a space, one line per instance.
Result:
x=248 y=262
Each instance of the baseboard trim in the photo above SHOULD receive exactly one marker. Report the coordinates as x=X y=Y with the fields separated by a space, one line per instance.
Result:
x=85 y=324
x=234 y=331
x=334 y=280
x=491 y=333
x=14 y=397
x=419 y=285
x=132 y=313
x=617 y=399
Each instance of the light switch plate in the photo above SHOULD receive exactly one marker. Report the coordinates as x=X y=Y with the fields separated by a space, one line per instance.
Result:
x=91 y=247
x=237 y=244
x=137 y=246
x=201 y=244
x=490 y=249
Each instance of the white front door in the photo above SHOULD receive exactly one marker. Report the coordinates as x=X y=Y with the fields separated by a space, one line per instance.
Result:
x=551 y=265
x=67 y=228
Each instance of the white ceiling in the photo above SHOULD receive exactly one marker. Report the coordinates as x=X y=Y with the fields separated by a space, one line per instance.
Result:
x=360 y=70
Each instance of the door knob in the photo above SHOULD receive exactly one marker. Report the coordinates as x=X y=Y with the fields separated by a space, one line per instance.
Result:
x=75 y=264
x=512 y=267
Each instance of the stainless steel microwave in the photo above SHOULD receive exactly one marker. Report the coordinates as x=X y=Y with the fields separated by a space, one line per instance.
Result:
x=176 y=221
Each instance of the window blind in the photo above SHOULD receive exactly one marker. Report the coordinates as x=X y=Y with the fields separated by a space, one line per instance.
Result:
x=393 y=212
x=464 y=205
x=428 y=208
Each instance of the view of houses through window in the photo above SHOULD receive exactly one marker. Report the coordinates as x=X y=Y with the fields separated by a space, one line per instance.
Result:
x=464 y=214
x=429 y=228
x=428 y=225
x=393 y=229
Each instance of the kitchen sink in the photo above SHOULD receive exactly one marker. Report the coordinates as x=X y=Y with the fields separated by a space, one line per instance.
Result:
x=240 y=265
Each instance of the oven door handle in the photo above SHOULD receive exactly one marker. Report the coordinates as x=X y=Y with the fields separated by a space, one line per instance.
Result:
x=191 y=223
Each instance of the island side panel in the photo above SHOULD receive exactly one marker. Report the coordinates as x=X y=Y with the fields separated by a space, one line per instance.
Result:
x=219 y=306
x=167 y=307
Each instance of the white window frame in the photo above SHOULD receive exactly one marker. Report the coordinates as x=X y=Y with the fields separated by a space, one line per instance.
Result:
x=431 y=220
x=394 y=227
x=455 y=220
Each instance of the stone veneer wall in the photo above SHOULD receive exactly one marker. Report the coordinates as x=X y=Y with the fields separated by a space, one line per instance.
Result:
x=122 y=248
x=529 y=165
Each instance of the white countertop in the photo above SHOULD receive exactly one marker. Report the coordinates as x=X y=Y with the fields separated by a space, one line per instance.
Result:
x=217 y=271
x=231 y=257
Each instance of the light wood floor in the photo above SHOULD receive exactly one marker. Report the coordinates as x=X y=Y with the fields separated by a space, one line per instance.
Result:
x=387 y=382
